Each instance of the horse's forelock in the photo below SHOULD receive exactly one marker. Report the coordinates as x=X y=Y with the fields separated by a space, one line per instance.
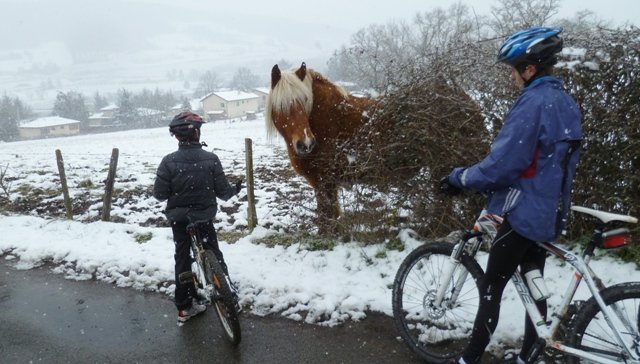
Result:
x=289 y=90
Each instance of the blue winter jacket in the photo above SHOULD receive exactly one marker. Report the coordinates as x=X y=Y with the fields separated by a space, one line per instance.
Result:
x=528 y=161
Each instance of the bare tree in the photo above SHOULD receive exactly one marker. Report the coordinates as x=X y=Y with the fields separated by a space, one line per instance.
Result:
x=382 y=55
x=12 y=111
x=99 y=101
x=244 y=79
x=209 y=82
x=512 y=15
x=5 y=184
x=71 y=105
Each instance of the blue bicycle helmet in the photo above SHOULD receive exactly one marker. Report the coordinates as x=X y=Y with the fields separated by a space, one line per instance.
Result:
x=537 y=45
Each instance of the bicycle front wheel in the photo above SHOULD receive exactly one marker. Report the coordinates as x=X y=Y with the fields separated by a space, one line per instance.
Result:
x=590 y=331
x=435 y=333
x=223 y=301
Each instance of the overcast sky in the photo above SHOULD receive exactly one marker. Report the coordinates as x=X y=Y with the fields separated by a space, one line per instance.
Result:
x=149 y=37
x=355 y=14
x=28 y=21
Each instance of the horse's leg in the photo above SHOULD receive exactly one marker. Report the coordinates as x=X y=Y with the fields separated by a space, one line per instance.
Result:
x=328 y=208
x=334 y=206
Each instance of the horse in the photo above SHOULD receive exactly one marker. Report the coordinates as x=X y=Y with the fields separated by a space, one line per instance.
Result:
x=314 y=116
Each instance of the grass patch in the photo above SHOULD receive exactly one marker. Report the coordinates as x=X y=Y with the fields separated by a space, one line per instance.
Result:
x=285 y=240
x=24 y=189
x=381 y=254
x=311 y=242
x=87 y=183
x=394 y=244
x=142 y=238
x=306 y=241
x=231 y=237
x=315 y=243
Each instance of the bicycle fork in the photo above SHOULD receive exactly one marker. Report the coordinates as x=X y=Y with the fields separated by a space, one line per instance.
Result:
x=450 y=267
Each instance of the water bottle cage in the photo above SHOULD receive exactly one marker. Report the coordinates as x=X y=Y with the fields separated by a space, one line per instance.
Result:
x=537 y=287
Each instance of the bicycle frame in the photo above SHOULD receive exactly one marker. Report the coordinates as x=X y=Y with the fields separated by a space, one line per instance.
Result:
x=197 y=249
x=471 y=242
x=546 y=331
x=196 y=245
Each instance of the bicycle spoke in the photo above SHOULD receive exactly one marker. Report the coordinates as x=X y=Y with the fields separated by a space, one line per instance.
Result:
x=435 y=333
x=591 y=332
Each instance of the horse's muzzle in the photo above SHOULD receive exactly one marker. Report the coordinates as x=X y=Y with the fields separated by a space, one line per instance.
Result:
x=304 y=147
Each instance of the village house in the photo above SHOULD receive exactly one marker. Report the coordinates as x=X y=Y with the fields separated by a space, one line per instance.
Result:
x=229 y=104
x=194 y=105
x=104 y=117
x=151 y=117
x=52 y=126
x=263 y=92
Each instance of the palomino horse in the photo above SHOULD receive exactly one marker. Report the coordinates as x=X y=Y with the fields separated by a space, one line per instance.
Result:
x=314 y=116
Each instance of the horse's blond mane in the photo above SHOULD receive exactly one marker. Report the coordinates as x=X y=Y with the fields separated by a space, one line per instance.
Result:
x=290 y=90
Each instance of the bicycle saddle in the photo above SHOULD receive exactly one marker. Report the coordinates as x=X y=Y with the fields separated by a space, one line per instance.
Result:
x=605 y=216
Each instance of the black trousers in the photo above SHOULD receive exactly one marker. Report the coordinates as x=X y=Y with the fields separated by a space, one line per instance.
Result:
x=185 y=292
x=509 y=250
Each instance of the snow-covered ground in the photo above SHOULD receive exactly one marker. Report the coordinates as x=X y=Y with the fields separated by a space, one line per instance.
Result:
x=325 y=287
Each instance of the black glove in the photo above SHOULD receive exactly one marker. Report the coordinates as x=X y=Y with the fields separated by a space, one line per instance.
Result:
x=238 y=186
x=447 y=188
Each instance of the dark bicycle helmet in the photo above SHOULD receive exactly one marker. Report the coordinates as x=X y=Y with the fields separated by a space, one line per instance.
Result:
x=537 y=45
x=185 y=123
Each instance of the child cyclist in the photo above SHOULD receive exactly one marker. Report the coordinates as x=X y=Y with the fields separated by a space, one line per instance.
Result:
x=190 y=179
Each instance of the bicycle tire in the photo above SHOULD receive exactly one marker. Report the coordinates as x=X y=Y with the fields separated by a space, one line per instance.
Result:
x=224 y=302
x=590 y=332
x=436 y=335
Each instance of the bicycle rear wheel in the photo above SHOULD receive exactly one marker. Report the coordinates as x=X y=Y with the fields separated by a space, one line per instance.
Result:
x=436 y=334
x=224 y=301
x=590 y=332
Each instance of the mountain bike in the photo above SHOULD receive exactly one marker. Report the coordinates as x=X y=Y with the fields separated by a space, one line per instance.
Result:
x=212 y=283
x=436 y=298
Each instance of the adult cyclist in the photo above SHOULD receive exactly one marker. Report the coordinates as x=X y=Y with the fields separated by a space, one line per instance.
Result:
x=528 y=174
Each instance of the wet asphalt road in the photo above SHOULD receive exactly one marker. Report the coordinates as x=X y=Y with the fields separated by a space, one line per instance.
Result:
x=45 y=318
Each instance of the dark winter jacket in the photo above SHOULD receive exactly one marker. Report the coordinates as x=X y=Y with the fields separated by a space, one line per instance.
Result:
x=191 y=179
x=529 y=160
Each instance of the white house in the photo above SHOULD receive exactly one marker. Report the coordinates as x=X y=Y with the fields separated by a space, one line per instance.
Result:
x=195 y=106
x=263 y=92
x=52 y=126
x=104 y=117
x=151 y=116
x=229 y=104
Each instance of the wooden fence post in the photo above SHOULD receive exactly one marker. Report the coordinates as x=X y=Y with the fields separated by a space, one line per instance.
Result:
x=252 y=219
x=65 y=189
x=108 y=189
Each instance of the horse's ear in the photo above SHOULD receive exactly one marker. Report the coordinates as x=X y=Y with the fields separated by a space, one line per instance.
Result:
x=302 y=71
x=275 y=76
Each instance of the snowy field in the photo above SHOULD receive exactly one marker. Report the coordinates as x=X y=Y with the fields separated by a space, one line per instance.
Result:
x=327 y=287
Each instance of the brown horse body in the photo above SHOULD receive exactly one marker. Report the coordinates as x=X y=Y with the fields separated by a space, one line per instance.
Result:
x=314 y=116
